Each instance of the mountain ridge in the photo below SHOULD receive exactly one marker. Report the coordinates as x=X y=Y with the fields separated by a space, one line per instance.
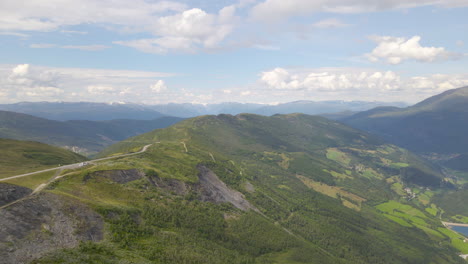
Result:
x=435 y=125
x=87 y=137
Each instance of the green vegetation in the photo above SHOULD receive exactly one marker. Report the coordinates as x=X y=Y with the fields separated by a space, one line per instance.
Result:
x=33 y=181
x=323 y=193
x=17 y=157
x=453 y=202
x=338 y=156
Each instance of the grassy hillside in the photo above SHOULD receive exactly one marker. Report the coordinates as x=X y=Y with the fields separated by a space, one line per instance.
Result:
x=17 y=157
x=86 y=137
x=321 y=192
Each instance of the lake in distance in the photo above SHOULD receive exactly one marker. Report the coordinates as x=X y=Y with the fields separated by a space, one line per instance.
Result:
x=461 y=229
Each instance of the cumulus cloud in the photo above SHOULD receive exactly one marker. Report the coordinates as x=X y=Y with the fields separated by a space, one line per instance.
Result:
x=357 y=84
x=330 y=79
x=159 y=86
x=186 y=31
x=395 y=50
x=172 y=25
x=26 y=82
x=276 y=10
x=20 y=70
x=37 y=83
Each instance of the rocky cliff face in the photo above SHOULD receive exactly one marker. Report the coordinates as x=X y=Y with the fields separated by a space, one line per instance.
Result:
x=214 y=190
x=32 y=225
x=10 y=193
x=42 y=223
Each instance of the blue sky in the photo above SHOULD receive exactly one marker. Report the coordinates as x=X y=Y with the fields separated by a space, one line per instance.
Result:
x=204 y=51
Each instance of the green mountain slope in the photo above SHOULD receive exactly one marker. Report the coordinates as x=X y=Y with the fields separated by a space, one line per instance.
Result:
x=248 y=189
x=17 y=157
x=438 y=124
x=87 y=137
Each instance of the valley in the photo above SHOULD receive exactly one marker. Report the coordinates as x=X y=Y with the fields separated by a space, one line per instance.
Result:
x=283 y=179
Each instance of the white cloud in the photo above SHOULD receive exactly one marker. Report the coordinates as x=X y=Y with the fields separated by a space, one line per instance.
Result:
x=158 y=87
x=78 y=47
x=41 y=92
x=32 y=83
x=100 y=89
x=460 y=43
x=173 y=25
x=35 y=15
x=329 y=23
x=187 y=31
x=36 y=83
x=160 y=45
x=276 y=10
x=74 y=32
x=333 y=79
x=20 y=70
x=357 y=84
x=16 y=34
x=395 y=50
x=86 y=47
x=42 y=46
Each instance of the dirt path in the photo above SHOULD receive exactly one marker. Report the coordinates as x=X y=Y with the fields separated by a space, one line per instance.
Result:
x=185 y=146
x=58 y=176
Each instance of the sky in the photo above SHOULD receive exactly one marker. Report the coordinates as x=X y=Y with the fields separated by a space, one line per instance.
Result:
x=249 y=51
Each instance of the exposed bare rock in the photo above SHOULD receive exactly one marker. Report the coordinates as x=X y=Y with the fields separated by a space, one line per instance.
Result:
x=209 y=189
x=214 y=190
x=10 y=193
x=171 y=185
x=118 y=176
x=43 y=223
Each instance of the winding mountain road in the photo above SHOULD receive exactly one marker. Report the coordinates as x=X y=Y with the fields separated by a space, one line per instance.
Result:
x=77 y=165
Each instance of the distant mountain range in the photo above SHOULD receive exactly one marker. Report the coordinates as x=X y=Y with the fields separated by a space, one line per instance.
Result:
x=63 y=111
x=437 y=125
x=85 y=137
x=304 y=107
